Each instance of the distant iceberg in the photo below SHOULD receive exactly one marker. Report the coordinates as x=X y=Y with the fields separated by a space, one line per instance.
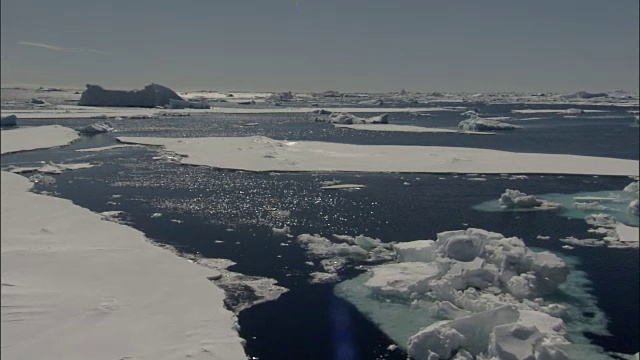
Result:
x=584 y=95
x=151 y=96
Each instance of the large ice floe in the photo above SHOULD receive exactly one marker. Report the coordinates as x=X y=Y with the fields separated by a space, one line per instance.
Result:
x=258 y=153
x=475 y=294
x=77 y=287
x=40 y=137
x=151 y=96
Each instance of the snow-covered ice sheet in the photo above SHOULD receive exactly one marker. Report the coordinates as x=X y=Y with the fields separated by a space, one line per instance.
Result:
x=77 y=287
x=36 y=138
x=258 y=153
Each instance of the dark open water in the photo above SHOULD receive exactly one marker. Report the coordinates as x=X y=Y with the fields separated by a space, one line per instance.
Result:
x=309 y=322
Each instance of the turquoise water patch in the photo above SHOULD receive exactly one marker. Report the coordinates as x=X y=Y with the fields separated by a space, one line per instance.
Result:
x=614 y=203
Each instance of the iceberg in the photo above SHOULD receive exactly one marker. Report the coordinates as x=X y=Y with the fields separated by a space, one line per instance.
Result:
x=184 y=104
x=514 y=199
x=486 y=290
x=151 y=96
x=347 y=118
x=476 y=123
x=97 y=128
x=10 y=120
x=584 y=95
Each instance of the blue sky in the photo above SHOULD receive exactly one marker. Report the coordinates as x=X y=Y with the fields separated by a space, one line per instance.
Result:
x=313 y=45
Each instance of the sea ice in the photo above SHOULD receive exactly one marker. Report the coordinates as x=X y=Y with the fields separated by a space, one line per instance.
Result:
x=96 y=128
x=486 y=289
x=10 y=120
x=83 y=288
x=348 y=119
x=258 y=153
x=476 y=123
x=49 y=168
x=514 y=199
x=36 y=138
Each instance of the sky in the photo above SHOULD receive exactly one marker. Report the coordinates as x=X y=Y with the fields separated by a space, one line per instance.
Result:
x=315 y=45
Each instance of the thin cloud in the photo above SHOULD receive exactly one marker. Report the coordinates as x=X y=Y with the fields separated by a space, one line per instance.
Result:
x=59 y=48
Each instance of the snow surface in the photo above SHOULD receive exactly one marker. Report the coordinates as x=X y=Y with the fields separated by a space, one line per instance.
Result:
x=77 y=287
x=258 y=153
x=36 y=138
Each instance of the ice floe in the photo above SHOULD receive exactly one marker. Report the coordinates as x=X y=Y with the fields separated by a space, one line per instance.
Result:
x=32 y=138
x=258 y=153
x=49 y=168
x=474 y=294
x=476 y=123
x=241 y=291
x=10 y=120
x=97 y=128
x=514 y=199
x=334 y=255
x=348 y=119
x=89 y=280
